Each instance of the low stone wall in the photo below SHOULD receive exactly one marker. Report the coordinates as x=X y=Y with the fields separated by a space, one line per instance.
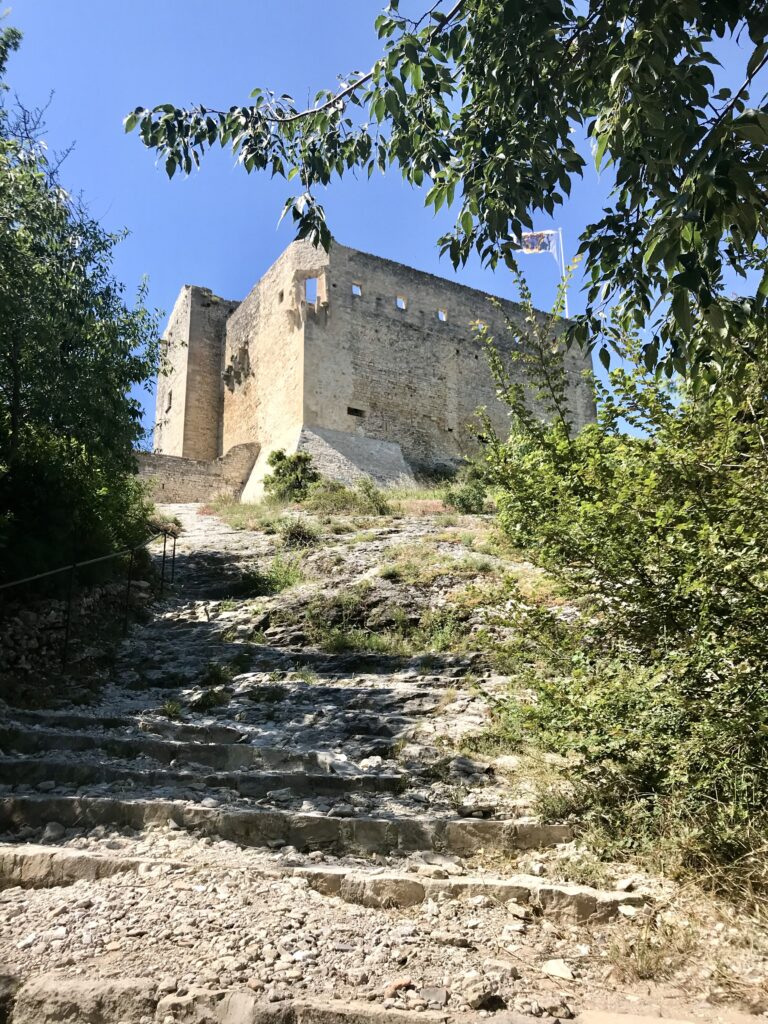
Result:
x=177 y=480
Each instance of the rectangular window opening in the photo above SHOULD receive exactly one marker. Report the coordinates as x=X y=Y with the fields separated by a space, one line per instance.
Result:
x=442 y=315
x=281 y=296
x=357 y=290
x=401 y=302
x=169 y=401
x=355 y=412
x=310 y=290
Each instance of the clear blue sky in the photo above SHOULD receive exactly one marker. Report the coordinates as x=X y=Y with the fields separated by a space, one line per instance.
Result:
x=219 y=227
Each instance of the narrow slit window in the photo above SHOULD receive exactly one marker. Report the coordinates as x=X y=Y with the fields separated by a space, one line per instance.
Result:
x=442 y=315
x=310 y=290
x=401 y=302
x=281 y=296
x=169 y=401
x=357 y=290
x=355 y=412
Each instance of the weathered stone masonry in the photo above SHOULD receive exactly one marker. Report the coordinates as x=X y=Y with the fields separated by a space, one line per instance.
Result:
x=368 y=364
x=175 y=479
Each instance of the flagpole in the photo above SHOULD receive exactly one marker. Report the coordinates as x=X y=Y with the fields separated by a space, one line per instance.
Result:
x=562 y=268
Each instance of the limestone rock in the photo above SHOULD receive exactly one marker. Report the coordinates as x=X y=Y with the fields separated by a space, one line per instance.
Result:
x=50 y=999
x=558 y=969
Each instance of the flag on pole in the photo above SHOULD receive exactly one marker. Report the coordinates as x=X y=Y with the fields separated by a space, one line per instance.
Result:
x=533 y=242
x=540 y=241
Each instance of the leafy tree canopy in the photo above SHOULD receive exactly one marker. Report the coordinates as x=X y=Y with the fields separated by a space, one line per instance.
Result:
x=71 y=350
x=484 y=102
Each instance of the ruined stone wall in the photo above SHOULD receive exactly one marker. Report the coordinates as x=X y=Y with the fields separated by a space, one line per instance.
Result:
x=188 y=407
x=393 y=357
x=334 y=346
x=205 y=389
x=170 y=398
x=174 y=479
x=264 y=355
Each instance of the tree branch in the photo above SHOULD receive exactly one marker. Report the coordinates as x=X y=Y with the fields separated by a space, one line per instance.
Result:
x=342 y=95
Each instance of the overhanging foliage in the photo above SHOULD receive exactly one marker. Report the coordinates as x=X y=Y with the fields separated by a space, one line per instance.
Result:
x=485 y=102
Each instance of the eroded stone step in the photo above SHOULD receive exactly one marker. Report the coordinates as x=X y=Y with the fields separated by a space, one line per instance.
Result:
x=33 y=867
x=305 y=831
x=45 y=867
x=29 y=771
x=215 y=755
x=51 y=998
x=579 y=904
x=222 y=756
x=88 y=722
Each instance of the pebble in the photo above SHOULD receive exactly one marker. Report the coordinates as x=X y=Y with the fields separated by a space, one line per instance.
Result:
x=557 y=969
x=53 y=832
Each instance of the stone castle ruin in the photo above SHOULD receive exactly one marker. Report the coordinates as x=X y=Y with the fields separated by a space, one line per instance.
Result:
x=370 y=366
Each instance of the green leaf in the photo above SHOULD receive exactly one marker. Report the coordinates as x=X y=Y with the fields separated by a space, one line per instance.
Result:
x=681 y=310
x=758 y=55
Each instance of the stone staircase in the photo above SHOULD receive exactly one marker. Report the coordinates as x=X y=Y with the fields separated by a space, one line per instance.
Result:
x=307 y=848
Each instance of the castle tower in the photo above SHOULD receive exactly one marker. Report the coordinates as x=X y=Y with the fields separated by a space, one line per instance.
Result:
x=190 y=388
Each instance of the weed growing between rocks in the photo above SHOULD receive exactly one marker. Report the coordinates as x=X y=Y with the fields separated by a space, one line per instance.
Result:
x=298 y=533
x=172 y=709
x=209 y=700
x=281 y=574
x=216 y=674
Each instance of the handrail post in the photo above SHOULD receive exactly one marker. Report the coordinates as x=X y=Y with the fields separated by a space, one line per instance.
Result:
x=162 y=573
x=68 y=614
x=173 y=560
x=128 y=594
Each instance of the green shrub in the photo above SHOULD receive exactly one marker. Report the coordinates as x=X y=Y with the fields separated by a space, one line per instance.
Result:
x=216 y=674
x=297 y=533
x=291 y=475
x=469 y=498
x=331 y=496
x=660 y=691
x=210 y=699
x=468 y=493
x=171 y=709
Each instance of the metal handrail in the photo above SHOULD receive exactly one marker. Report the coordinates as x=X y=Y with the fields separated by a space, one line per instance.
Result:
x=74 y=566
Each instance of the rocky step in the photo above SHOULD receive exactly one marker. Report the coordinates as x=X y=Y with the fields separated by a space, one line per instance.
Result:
x=74 y=721
x=50 y=999
x=35 y=867
x=273 y=827
x=358 y=725
x=28 y=771
x=221 y=756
